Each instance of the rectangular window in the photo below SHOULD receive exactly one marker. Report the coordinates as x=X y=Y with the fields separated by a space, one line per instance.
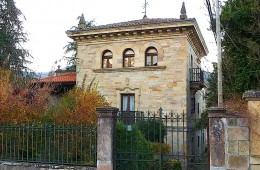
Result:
x=129 y=61
x=128 y=102
x=198 y=141
x=193 y=105
x=104 y=63
x=132 y=62
x=148 y=61
x=198 y=108
x=203 y=140
x=155 y=60
x=109 y=63
x=128 y=108
x=126 y=62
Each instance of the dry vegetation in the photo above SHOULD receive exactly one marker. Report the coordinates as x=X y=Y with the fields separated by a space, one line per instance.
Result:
x=30 y=104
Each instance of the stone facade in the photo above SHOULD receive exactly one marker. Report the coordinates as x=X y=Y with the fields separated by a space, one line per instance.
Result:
x=179 y=44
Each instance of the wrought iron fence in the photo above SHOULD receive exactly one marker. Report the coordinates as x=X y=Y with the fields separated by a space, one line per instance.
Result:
x=159 y=141
x=52 y=144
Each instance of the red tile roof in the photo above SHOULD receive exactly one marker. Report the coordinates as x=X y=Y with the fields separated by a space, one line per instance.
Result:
x=63 y=78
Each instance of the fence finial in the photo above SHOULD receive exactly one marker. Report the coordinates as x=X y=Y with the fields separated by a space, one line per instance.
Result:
x=160 y=111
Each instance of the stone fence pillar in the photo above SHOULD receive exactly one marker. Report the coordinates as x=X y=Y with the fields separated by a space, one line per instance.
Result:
x=105 y=137
x=216 y=138
x=253 y=98
x=228 y=140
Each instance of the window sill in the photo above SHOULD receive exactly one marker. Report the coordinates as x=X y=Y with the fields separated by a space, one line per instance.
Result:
x=129 y=69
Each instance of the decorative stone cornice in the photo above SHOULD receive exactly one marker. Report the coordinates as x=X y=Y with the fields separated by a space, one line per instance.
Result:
x=129 y=69
x=130 y=35
x=187 y=27
x=196 y=44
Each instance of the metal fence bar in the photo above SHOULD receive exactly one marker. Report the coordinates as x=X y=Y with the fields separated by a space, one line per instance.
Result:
x=72 y=145
x=130 y=154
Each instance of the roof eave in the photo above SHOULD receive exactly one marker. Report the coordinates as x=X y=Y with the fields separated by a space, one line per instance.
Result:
x=86 y=32
x=203 y=43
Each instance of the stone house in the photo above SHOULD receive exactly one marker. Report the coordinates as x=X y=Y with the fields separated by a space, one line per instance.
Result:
x=144 y=64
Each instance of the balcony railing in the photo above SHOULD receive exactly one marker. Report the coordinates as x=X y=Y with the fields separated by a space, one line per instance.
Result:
x=196 y=78
x=196 y=75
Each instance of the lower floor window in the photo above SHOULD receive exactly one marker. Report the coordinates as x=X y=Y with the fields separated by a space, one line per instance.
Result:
x=127 y=102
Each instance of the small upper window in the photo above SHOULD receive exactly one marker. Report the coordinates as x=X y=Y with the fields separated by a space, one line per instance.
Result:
x=151 y=57
x=107 y=59
x=128 y=58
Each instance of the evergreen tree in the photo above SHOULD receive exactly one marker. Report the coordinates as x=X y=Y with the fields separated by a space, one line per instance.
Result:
x=12 y=55
x=240 y=22
x=241 y=62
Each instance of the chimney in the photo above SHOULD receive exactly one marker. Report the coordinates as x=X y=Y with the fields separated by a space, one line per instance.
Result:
x=58 y=71
x=82 y=22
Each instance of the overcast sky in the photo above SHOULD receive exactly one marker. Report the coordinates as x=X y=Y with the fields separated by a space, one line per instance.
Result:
x=47 y=21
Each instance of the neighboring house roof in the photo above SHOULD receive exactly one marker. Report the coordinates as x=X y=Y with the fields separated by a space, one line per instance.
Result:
x=63 y=78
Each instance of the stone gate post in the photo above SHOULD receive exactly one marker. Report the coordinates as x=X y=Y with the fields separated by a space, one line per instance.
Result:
x=253 y=98
x=216 y=138
x=105 y=137
x=228 y=139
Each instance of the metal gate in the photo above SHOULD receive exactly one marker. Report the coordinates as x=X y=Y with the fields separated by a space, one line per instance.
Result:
x=170 y=141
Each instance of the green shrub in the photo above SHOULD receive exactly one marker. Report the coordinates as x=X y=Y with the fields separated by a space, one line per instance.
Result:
x=151 y=129
x=171 y=164
x=165 y=148
x=202 y=123
x=133 y=150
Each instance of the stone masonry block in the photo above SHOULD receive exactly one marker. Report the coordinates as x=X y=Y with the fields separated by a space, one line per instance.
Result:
x=255 y=167
x=233 y=147
x=238 y=133
x=254 y=160
x=232 y=121
x=238 y=162
x=242 y=121
x=243 y=147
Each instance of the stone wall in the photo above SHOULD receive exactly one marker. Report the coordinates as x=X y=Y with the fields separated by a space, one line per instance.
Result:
x=253 y=98
x=234 y=139
x=229 y=140
x=37 y=166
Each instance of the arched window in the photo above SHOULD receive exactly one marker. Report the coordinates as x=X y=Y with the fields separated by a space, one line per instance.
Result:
x=191 y=61
x=128 y=58
x=151 y=57
x=107 y=59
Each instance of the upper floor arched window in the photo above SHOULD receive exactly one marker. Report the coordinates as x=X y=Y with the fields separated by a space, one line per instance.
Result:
x=128 y=58
x=107 y=59
x=151 y=57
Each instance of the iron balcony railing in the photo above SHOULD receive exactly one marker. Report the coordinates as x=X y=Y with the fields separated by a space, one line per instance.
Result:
x=196 y=75
x=50 y=144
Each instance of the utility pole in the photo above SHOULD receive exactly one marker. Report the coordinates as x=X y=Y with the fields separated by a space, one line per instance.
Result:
x=220 y=95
